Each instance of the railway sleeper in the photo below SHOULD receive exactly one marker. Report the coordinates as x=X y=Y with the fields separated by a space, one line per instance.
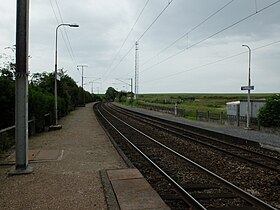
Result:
x=198 y=186
x=207 y=196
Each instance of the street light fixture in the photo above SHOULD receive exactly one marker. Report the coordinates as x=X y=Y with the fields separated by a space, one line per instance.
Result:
x=55 y=70
x=249 y=89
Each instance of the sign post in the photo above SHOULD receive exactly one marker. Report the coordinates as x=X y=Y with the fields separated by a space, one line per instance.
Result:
x=248 y=88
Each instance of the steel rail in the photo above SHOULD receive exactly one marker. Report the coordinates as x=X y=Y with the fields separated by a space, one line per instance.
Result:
x=224 y=150
x=238 y=191
x=190 y=200
x=155 y=119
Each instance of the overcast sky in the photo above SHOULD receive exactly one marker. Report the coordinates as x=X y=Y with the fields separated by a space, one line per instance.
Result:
x=208 y=59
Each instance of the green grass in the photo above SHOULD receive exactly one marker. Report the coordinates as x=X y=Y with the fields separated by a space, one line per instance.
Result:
x=196 y=102
x=203 y=96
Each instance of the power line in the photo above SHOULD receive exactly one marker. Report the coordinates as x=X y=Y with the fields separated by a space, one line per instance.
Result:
x=216 y=33
x=121 y=60
x=69 y=43
x=211 y=63
x=188 y=32
x=54 y=12
x=169 y=2
x=63 y=36
x=118 y=52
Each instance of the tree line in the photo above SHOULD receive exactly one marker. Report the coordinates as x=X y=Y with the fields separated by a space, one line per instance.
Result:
x=40 y=96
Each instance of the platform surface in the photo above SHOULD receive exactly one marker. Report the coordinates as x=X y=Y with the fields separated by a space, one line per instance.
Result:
x=133 y=192
x=38 y=155
x=66 y=167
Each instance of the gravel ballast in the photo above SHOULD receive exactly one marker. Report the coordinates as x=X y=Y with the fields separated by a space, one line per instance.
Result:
x=270 y=141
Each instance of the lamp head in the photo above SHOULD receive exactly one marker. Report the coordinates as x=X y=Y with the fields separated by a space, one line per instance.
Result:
x=74 y=25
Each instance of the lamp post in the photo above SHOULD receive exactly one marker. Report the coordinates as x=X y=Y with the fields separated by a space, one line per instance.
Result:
x=249 y=88
x=55 y=69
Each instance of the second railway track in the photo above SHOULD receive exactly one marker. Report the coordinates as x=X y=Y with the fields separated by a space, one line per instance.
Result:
x=188 y=167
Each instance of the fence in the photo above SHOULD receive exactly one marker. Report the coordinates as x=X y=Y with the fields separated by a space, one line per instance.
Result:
x=174 y=110
x=7 y=135
x=218 y=117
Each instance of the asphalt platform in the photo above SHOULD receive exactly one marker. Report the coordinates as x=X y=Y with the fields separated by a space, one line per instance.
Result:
x=76 y=167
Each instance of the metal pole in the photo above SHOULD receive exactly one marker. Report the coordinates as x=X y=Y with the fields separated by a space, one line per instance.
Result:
x=55 y=78
x=131 y=89
x=131 y=85
x=21 y=90
x=249 y=89
x=55 y=71
x=136 y=71
x=83 y=81
x=83 y=84
x=91 y=87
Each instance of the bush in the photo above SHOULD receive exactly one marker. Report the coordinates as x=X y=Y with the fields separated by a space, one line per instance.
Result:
x=6 y=141
x=7 y=102
x=269 y=114
x=40 y=103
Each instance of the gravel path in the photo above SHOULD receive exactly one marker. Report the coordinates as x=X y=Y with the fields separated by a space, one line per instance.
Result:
x=73 y=182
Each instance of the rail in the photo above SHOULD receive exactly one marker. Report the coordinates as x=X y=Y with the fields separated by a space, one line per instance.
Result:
x=250 y=198
x=225 y=147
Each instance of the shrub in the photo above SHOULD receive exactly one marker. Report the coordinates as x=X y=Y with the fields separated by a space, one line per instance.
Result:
x=269 y=114
x=40 y=103
x=7 y=102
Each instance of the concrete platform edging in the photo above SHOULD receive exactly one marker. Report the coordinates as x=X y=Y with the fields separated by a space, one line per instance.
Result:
x=123 y=156
x=112 y=203
x=127 y=189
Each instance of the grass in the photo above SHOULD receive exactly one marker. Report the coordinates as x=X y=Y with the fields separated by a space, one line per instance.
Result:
x=195 y=102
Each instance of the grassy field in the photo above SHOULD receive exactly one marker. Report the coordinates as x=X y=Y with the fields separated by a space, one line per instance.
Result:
x=197 y=102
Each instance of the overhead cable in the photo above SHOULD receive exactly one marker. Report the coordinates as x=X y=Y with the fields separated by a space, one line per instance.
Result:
x=169 y=2
x=71 y=52
x=188 y=32
x=126 y=38
x=63 y=36
x=121 y=60
x=216 y=33
x=211 y=63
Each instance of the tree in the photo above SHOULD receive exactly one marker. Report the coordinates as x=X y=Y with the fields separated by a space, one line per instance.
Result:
x=122 y=96
x=111 y=94
x=7 y=102
x=41 y=95
x=269 y=114
x=7 y=96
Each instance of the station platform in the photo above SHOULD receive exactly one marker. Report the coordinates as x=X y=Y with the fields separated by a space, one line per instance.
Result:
x=266 y=140
x=70 y=167
x=131 y=191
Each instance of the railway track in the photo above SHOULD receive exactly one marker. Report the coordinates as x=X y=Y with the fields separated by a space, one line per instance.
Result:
x=246 y=153
x=199 y=187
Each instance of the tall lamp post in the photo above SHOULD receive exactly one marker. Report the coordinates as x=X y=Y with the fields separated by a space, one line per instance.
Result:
x=249 y=89
x=55 y=71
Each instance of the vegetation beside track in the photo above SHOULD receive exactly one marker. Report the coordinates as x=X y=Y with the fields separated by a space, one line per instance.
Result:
x=40 y=99
x=203 y=102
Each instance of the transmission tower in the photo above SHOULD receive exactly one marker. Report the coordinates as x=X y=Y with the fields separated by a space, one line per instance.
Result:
x=136 y=86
